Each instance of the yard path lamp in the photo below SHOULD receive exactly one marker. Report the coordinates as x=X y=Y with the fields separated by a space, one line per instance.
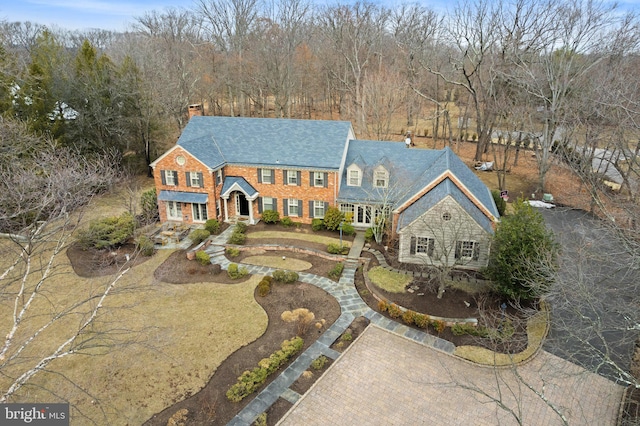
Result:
x=340 y=228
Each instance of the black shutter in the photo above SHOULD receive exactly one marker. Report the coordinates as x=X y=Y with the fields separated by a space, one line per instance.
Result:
x=476 y=251
x=259 y=175
x=311 y=179
x=458 y=249
x=188 y=178
x=326 y=180
x=284 y=176
x=285 y=207
x=163 y=177
x=275 y=204
x=260 y=205
x=273 y=176
x=175 y=175
x=311 y=208
x=412 y=248
x=298 y=178
x=432 y=244
x=200 y=180
x=299 y=207
x=326 y=207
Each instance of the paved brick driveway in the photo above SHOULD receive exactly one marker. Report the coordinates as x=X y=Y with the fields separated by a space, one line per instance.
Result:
x=385 y=379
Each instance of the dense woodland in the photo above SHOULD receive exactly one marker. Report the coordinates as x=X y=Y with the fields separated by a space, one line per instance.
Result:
x=553 y=71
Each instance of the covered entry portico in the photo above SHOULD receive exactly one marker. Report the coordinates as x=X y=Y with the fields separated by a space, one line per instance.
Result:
x=241 y=195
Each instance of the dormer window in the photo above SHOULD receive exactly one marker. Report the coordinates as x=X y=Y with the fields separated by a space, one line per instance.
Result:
x=380 y=178
x=354 y=176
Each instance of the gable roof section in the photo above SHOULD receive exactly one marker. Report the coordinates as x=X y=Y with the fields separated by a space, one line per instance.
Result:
x=236 y=183
x=442 y=190
x=314 y=144
x=412 y=174
x=173 y=148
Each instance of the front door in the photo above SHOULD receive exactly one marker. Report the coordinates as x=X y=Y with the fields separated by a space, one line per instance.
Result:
x=242 y=205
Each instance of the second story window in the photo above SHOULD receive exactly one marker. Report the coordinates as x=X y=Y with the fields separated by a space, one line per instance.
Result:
x=169 y=177
x=318 y=179
x=194 y=179
x=266 y=176
x=291 y=177
x=219 y=177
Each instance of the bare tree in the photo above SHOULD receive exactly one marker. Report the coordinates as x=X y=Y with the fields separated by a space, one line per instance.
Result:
x=41 y=197
x=355 y=33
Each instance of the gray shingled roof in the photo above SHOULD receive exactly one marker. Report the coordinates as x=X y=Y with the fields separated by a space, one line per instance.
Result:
x=183 y=197
x=230 y=181
x=314 y=144
x=437 y=194
x=410 y=171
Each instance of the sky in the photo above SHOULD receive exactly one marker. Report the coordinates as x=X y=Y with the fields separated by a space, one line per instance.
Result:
x=114 y=15
x=117 y=15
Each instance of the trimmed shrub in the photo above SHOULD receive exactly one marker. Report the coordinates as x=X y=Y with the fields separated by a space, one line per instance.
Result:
x=348 y=229
x=383 y=305
x=332 y=218
x=438 y=325
x=250 y=381
x=240 y=227
x=236 y=272
x=145 y=245
x=270 y=216
x=421 y=320
x=109 y=232
x=237 y=238
x=460 y=329
x=232 y=252
x=199 y=235
x=394 y=311
x=408 y=317
x=203 y=257
x=319 y=363
x=335 y=273
x=286 y=221
x=334 y=248
x=264 y=288
x=317 y=224
x=286 y=277
x=212 y=225
x=368 y=235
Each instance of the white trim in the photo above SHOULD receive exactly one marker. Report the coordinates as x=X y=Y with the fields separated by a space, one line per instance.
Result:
x=157 y=160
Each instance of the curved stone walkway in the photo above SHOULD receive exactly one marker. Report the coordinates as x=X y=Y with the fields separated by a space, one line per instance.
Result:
x=351 y=305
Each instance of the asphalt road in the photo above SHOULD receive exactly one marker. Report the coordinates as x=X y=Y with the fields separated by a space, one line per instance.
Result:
x=594 y=304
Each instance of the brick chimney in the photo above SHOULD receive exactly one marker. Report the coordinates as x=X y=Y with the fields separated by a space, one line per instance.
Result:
x=195 y=109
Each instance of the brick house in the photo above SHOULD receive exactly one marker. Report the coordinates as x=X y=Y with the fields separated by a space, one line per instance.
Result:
x=228 y=168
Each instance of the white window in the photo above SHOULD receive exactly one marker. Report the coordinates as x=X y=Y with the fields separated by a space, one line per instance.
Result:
x=425 y=245
x=174 y=210
x=467 y=250
x=292 y=177
x=380 y=178
x=219 y=177
x=267 y=203
x=354 y=177
x=318 y=179
x=194 y=178
x=318 y=209
x=267 y=175
x=348 y=210
x=171 y=177
x=199 y=212
x=293 y=207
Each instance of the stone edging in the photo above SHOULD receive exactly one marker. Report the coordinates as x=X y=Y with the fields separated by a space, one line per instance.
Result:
x=295 y=249
x=448 y=321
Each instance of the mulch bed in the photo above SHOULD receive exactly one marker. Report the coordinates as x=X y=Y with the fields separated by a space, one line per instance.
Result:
x=91 y=263
x=210 y=405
